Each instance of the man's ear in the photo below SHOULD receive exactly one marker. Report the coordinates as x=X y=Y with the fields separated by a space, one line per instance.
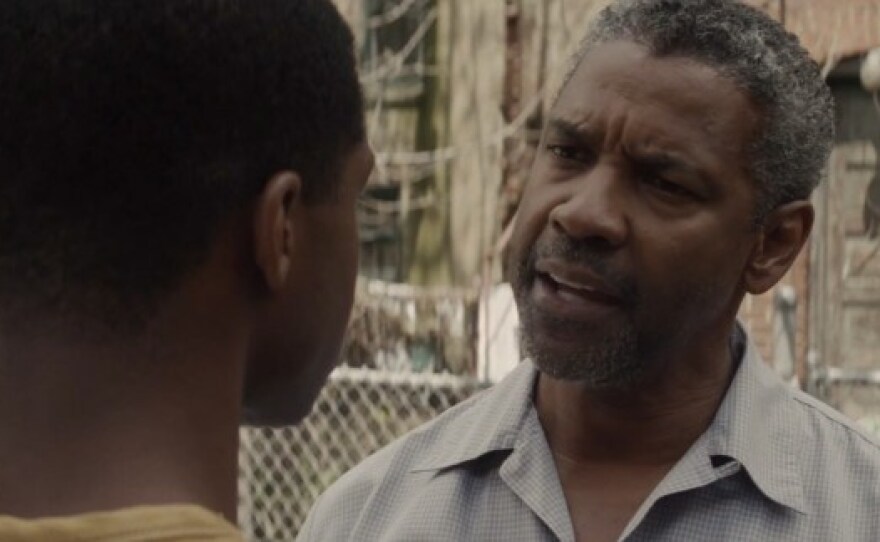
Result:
x=274 y=239
x=780 y=240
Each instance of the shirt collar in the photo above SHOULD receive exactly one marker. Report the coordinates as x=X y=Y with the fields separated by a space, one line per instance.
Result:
x=755 y=426
x=491 y=423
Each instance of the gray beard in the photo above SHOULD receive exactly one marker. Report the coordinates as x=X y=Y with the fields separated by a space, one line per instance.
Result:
x=611 y=362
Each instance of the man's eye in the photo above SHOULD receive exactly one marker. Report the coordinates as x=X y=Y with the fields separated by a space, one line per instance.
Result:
x=567 y=152
x=668 y=187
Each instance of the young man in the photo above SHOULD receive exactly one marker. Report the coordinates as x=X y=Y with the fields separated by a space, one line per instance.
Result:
x=178 y=250
x=672 y=178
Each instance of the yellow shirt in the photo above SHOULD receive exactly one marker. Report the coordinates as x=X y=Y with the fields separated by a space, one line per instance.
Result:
x=141 y=524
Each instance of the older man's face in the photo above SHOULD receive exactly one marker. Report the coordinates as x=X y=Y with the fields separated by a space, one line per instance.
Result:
x=635 y=228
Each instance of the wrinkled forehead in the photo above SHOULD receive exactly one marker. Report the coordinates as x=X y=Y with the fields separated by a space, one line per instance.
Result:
x=671 y=95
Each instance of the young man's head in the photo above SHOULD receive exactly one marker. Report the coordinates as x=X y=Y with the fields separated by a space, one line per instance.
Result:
x=190 y=157
x=673 y=176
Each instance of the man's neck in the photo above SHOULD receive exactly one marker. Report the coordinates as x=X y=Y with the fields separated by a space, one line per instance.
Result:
x=85 y=429
x=653 y=424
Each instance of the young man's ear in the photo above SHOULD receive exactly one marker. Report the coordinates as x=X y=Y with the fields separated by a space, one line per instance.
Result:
x=780 y=240
x=274 y=237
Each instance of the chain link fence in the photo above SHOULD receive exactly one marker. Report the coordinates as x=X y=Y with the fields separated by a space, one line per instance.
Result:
x=409 y=355
x=283 y=471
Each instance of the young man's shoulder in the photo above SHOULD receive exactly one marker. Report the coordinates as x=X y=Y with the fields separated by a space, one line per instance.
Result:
x=177 y=523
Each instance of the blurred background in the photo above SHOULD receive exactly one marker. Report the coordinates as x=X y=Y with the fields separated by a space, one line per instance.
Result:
x=456 y=92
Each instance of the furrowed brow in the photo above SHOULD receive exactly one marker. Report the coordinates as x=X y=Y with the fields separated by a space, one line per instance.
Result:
x=573 y=131
x=663 y=160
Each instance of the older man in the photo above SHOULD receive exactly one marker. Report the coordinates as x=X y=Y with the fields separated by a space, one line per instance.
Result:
x=672 y=178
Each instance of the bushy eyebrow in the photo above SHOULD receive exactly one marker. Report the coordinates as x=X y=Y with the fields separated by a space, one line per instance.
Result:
x=574 y=131
x=648 y=158
x=662 y=160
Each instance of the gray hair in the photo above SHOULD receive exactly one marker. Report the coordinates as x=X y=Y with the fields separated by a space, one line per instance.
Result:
x=789 y=154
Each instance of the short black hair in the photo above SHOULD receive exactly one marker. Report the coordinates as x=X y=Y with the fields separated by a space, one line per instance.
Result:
x=790 y=153
x=131 y=129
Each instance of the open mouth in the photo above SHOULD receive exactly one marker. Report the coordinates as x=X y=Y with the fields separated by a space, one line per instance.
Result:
x=574 y=291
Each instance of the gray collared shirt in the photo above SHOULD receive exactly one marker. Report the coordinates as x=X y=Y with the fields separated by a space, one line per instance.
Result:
x=775 y=464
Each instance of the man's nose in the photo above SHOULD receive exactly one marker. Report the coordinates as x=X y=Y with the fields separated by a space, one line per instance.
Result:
x=593 y=211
